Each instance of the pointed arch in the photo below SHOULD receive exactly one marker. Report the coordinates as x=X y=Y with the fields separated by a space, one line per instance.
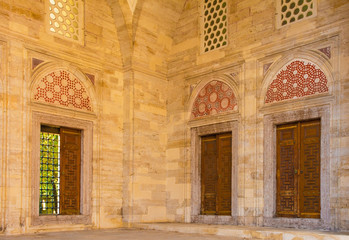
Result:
x=122 y=16
x=64 y=86
x=213 y=96
x=296 y=76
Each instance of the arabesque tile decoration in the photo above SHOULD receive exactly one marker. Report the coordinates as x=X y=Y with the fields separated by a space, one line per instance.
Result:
x=215 y=97
x=295 y=80
x=62 y=88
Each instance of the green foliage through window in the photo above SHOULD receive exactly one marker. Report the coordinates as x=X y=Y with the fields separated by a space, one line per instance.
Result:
x=49 y=173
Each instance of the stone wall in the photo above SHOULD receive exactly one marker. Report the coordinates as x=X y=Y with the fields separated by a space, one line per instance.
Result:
x=143 y=68
x=146 y=112
x=27 y=50
x=256 y=51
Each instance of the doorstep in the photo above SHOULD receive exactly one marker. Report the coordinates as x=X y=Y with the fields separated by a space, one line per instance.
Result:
x=244 y=232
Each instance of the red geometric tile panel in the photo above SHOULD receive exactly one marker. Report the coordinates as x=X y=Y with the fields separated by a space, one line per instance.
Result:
x=62 y=88
x=215 y=97
x=298 y=79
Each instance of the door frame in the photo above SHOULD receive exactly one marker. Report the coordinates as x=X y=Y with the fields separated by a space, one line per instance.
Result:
x=196 y=133
x=269 y=167
x=297 y=163
x=218 y=171
x=86 y=127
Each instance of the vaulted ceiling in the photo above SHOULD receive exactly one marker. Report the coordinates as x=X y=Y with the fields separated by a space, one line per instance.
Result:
x=142 y=26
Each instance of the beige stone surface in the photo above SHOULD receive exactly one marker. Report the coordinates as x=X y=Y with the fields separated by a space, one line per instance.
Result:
x=147 y=66
x=244 y=232
x=119 y=234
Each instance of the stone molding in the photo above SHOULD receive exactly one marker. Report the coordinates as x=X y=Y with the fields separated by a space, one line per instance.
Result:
x=3 y=124
x=196 y=133
x=269 y=167
x=86 y=126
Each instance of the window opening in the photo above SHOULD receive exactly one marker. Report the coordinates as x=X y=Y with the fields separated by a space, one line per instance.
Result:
x=49 y=170
x=60 y=166
x=214 y=24
x=64 y=18
x=295 y=10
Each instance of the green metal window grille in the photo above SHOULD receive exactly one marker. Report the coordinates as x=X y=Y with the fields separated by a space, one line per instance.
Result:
x=49 y=171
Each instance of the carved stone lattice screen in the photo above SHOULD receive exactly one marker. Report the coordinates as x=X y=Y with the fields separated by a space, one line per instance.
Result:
x=64 y=18
x=295 y=10
x=297 y=79
x=214 y=24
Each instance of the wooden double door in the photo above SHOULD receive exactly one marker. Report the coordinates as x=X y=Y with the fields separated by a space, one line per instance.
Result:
x=298 y=170
x=216 y=174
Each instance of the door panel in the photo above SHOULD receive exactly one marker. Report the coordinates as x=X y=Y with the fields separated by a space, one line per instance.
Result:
x=286 y=171
x=70 y=171
x=216 y=174
x=298 y=170
x=310 y=170
x=224 y=174
x=208 y=174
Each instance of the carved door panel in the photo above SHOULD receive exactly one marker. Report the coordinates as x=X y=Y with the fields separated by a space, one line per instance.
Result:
x=224 y=174
x=70 y=171
x=208 y=175
x=287 y=191
x=298 y=170
x=216 y=174
x=309 y=189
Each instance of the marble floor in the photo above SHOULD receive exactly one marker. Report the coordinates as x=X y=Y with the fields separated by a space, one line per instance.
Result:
x=116 y=234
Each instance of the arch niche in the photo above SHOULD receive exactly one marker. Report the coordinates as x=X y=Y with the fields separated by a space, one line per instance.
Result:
x=297 y=89
x=213 y=110
x=63 y=97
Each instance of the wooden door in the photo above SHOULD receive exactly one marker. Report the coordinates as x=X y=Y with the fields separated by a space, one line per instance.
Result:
x=287 y=165
x=309 y=189
x=224 y=174
x=70 y=171
x=216 y=167
x=298 y=170
x=209 y=174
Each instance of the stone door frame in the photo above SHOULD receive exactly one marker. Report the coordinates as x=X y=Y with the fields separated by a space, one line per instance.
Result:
x=196 y=133
x=269 y=167
x=39 y=118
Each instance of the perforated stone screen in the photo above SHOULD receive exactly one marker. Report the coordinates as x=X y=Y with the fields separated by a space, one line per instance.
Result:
x=214 y=24
x=290 y=11
x=65 y=18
